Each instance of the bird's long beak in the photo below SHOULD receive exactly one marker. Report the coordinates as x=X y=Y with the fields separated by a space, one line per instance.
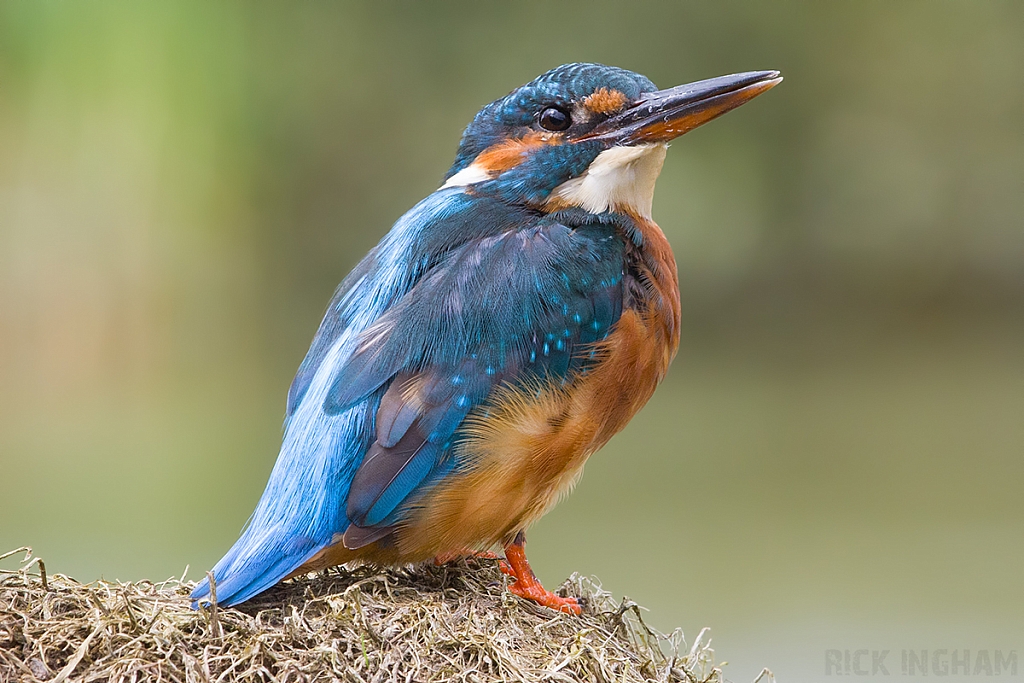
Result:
x=666 y=114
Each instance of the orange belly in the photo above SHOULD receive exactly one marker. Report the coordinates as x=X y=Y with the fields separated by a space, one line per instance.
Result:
x=530 y=450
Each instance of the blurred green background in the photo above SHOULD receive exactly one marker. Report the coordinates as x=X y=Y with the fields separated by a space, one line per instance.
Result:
x=835 y=458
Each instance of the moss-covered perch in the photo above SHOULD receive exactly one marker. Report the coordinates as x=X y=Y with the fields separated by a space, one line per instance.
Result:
x=451 y=623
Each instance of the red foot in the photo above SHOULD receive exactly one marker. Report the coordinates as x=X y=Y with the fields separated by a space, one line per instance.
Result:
x=527 y=585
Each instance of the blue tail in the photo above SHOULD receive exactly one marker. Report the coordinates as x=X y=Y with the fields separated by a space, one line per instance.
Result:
x=304 y=504
x=302 y=508
x=253 y=565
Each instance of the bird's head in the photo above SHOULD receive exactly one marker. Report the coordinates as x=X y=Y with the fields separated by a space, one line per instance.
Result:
x=588 y=136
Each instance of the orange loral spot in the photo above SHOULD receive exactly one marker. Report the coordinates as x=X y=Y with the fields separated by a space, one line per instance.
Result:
x=606 y=101
x=510 y=153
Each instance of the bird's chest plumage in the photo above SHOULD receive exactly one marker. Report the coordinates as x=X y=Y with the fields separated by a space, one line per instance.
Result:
x=527 y=445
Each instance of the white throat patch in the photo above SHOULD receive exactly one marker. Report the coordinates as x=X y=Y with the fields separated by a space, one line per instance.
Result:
x=621 y=177
x=467 y=176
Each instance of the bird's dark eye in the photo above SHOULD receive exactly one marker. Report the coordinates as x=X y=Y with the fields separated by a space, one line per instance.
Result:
x=554 y=118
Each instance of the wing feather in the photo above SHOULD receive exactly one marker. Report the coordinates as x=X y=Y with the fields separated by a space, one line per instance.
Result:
x=505 y=308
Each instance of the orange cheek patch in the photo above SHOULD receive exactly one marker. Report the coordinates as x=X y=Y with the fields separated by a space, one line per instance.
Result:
x=605 y=101
x=510 y=153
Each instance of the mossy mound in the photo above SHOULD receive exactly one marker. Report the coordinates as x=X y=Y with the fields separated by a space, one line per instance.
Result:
x=451 y=623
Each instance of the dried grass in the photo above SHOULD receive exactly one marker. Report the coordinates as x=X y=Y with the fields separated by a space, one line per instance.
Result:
x=426 y=623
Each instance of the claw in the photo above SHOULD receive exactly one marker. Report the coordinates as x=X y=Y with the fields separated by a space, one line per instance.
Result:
x=526 y=584
x=538 y=594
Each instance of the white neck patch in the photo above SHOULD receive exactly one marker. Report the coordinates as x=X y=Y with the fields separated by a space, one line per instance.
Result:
x=467 y=176
x=621 y=177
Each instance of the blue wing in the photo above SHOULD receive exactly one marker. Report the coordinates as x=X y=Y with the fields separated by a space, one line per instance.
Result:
x=461 y=295
x=505 y=308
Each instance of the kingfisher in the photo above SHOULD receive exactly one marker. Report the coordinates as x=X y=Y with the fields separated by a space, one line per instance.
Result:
x=499 y=334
